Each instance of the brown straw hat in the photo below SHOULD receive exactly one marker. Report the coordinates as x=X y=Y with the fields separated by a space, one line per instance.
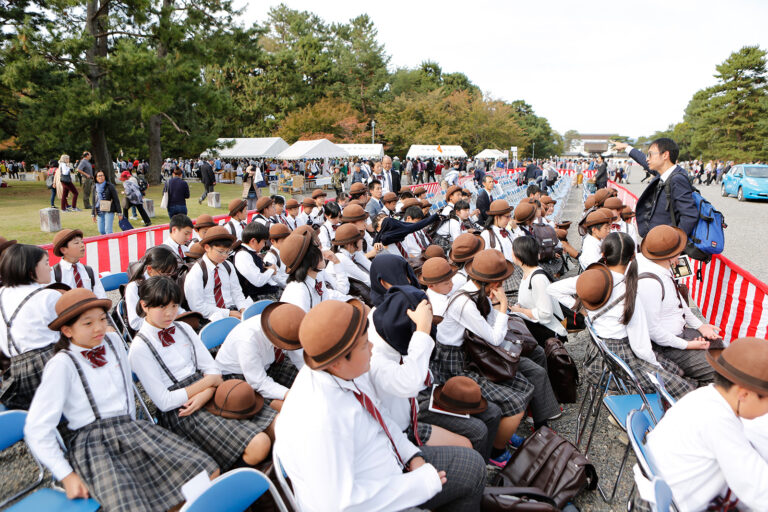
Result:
x=294 y=249
x=237 y=205
x=563 y=225
x=291 y=204
x=280 y=323
x=410 y=201
x=465 y=247
x=405 y=191
x=562 y=234
x=525 y=212
x=204 y=221
x=460 y=395
x=263 y=203
x=74 y=303
x=614 y=203
x=601 y=195
x=425 y=204
x=217 y=233
x=4 y=244
x=419 y=190
x=235 y=399
x=389 y=197
x=745 y=363
x=191 y=318
x=437 y=270
x=278 y=231
x=318 y=192
x=589 y=202
x=63 y=237
x=357 y=188
x=609 y=213
x=594 y=286
x=452 y=190
x=663 y=243
x=330 y=331
x=195 y=251
x=433 y=251
x=547 y=200
x=353 y=213
x=627 y=213
x=596 y=217
x=347 y=234
x=308 y=202
x=499 y=207
x=489 y=266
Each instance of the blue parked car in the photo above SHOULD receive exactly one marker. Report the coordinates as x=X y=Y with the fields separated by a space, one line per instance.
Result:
x=746 y=181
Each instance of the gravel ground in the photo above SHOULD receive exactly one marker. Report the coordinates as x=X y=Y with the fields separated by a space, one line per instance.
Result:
x=606 y=450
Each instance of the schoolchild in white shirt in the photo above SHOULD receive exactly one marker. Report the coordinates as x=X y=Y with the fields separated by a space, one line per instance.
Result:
x=277 y=233
x=69 y=246
x=463 y=250
x=27 y=306
x=348 y=248
x=157 y=261
x=307 y=207
x=278 y=211
x=615 y=205
x=316 y=216
x=124 y=463
x=598 y=226
x=626 y=217
x=414 y=243
x=452 y=196
x=498 y=235
x=457 y=222
x=264 y=210
x=180 y=377
x=389 y=201
x=203 y=223
x=181 y=228
x=264 y=351
x=356 y=215
x=339 y=445
x=304 y=264
x=253 y=273
x=291 y=214
x=211 y=286
x=327 y=231
x=238 y=219
x=699 y=446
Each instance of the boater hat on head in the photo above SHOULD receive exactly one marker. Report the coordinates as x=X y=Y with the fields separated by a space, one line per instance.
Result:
x=601 y=195
x=489 y=266
x=663 y=243
x=294 y=249
x=627 y=213
x=353 y=213
x=614 y=203
x=217 y=233
x=63 y=237
x=357 y=188
x=594 y=286
x=460 y=395
x=452 y=190
x=563 y=225
x=291 y=204
x=347 y=234
x=204 y=221
x=419 y=190
x=525 y=212
x=280 y=323
x=318 y=192
x=465 y=247
x=433 y=251
x=499 y=207
x=236 y=206
x=436 y=270
x=278 y=231
x=547 y=200
x=195 y=251
x=589 y=202
x=263 y=203
x=74 y=303
x=595 y=218
x=389 y=197
x=410 y=201
x=745 y=363
x=330 y=330
x=308 y=202
x=4 y=244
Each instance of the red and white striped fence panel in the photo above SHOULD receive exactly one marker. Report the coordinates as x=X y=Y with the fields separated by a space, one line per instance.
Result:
x=728 y=296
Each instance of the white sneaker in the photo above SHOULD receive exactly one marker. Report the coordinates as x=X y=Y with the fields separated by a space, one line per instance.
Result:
x=134 y=218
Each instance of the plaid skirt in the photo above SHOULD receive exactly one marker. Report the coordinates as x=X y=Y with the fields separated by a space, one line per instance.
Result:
x=512 y=283
x=675 y=383
x=224 y=439
x=23 y=377
x=511 y=396
x=134 y=465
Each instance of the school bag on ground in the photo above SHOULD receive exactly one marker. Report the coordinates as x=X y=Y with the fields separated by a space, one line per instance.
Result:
x=708 y=236
x=562 y=371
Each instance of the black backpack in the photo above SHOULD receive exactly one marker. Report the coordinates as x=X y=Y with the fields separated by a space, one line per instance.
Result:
x=143 y=185
x=88 y=270
x=547 y=238
x=181 y=276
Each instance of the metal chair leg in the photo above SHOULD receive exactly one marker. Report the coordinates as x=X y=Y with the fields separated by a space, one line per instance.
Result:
x=580 y=428
x=598 y=407
x=618 y=478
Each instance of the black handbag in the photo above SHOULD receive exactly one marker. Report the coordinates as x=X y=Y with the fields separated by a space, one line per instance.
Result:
x=497 y=364
x=519 y=499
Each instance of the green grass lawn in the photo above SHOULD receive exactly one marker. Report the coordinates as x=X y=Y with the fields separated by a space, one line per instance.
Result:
x=21 y=202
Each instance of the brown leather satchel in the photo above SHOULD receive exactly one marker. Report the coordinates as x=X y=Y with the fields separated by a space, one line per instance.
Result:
x=518 y=331
x=563 y=374
x=551 y=463
x=496 y=364
x=519 y=499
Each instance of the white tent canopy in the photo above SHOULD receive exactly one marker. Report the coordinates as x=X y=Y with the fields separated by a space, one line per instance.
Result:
x=432 y=151
x=488 y=154
x=312 y=149
x=364 y=150
x=259 y=147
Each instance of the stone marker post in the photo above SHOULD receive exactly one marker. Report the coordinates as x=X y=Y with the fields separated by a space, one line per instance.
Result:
x=149 y=206
x=214 y=200
x=50 y=220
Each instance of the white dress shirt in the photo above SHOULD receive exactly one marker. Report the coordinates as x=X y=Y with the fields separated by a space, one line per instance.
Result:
x=61 y=393
x=302 y=218
x=279 y=278
x=447 y=209
x=326 y=234
x=544 y=308
x=29 y=329
x=461 y=314
x=68 y=278
x=178 y=357
x=203 y=300
x=316 y=216
x=452 y=229
x=304 y=295
x=338 y=456
x=666 y=319
x=291 y=222
x=246 y=266
x=356 y=266
x=171 y=244
x=261 y=219
x=248 y=352
x=237 y=226
x=591 y=251
x=756 y=431
x=701 y=450
x=500 y=243
x=397 y=378
x=459 y=279
x=609 y=325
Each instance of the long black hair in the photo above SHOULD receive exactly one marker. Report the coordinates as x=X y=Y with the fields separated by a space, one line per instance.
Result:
x=18 y=264
x=160 y=258
x=619 y=249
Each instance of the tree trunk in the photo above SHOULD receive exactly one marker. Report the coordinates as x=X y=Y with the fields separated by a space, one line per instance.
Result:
x=96 y=24
x=156 y=121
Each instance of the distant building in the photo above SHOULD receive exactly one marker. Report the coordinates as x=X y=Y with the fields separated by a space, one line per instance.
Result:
x=589 y=144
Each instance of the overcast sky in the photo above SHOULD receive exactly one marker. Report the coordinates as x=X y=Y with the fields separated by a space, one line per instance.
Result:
x=595 y=66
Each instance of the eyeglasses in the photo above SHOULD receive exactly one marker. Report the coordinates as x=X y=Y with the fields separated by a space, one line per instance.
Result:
x=651 y=153
x=224 y=253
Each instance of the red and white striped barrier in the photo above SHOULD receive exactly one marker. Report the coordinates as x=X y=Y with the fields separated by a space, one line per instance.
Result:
x=728 y=296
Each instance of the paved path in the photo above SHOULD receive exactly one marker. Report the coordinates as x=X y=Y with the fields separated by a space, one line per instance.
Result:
x=746 y=239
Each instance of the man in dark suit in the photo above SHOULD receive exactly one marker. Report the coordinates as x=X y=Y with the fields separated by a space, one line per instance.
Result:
x=601 y=176
x=652 y=207
x=390 y=178
x=530 y=171
x=208 y=178
x=484 y=199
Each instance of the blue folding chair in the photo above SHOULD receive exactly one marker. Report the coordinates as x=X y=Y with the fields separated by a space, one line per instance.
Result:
x=666 y=401
x=113 y=281
x=282 y=480
x=665 y=502
x=639 y=425
x=216 y=332
x=235 y=491
x=11 y=432
x=256 y=308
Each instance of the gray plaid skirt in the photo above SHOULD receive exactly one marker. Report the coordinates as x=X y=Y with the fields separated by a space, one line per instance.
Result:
x=134 y=465
x=512 y=396
x=512 y=283
x=23 y=377
x=224 y=439
x=675 y=383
